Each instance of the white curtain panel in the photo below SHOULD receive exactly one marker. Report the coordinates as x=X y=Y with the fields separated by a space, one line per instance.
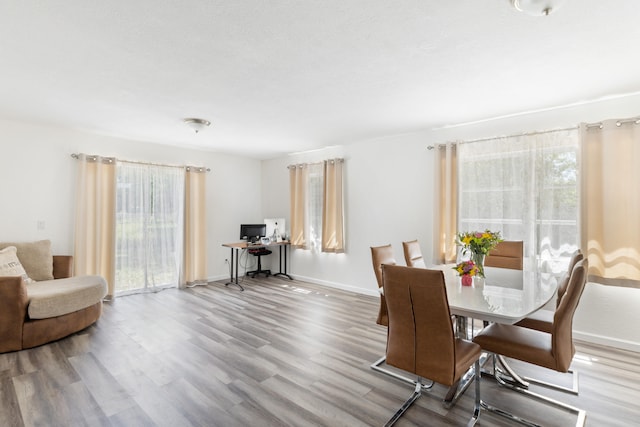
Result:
x=149 y=226
x=526 y=187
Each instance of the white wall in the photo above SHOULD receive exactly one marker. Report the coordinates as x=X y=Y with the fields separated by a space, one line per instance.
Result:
x=38 y=176
x=388 y=199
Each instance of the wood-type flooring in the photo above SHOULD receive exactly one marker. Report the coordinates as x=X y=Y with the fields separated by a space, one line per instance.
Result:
x=281 y=353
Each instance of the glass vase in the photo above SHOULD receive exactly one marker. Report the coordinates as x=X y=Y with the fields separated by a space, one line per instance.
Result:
x=478 y=260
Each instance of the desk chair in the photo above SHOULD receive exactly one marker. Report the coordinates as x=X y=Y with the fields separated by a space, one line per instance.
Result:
x=413 y=254
x=259 y=252
x=553 y=351
x=421 y=339
x=507 y=254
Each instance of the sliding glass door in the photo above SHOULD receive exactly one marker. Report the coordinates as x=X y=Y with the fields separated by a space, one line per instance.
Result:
x=149 y=226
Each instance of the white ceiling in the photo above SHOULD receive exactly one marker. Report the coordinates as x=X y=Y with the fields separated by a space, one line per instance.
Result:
x=279 y=76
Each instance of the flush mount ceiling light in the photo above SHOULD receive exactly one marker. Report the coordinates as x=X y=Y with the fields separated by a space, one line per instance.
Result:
x=536 y=7
x=197 y=124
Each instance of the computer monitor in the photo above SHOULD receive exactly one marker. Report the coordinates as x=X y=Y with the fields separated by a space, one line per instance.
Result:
x=275 y=225
x=252 y=231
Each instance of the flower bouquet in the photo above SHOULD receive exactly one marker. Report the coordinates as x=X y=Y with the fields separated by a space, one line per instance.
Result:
x=466 y=270
x=479 y=244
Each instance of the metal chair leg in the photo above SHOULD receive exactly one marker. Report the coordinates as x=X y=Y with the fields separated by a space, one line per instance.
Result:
x=376 y=366
x=581 y=413
x=416 y=394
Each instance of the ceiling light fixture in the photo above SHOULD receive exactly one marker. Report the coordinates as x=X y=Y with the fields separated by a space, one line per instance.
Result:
x=536 y=7
x=197 y=124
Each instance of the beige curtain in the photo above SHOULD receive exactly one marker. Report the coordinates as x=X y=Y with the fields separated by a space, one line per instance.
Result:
x=195 y=234
x=298 y=189
x=332 y=207
x=610 y=205
x=95 y=218
x=446 y=203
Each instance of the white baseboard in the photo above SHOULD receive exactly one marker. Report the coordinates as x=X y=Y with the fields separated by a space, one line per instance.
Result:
x=608 y=341
x=341 y=286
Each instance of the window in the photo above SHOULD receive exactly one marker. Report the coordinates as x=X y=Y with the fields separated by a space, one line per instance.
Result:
x=526 y=187
x=317 y=217
x=149 y=224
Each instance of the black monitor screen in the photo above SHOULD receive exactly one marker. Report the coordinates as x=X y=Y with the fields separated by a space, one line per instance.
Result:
x=251 y=231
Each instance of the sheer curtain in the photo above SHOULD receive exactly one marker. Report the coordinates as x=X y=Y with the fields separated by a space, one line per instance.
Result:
x=149 y=230
x=611 y=201
x=526 y=187
x=195 y=233
x=332 y=207
x=446 y=199
x=95 y=212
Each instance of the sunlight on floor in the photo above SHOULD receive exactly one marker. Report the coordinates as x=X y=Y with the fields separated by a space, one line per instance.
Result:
x=304 y=291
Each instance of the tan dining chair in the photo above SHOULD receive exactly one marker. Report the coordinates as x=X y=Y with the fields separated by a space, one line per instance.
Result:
x=553 y=350
x=413 y=254
x=420 y=338
x=542 y=320
x=381 y=255
x=507 y=254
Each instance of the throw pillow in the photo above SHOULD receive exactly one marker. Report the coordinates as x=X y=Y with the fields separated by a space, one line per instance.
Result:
x=10 y=264
x=35 y=257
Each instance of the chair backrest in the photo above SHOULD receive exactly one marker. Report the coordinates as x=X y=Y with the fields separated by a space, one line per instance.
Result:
x=507 y=254
x=420 y=338
x=381 y=255
x=413 y=254
x=564 y=282
x=561 y=335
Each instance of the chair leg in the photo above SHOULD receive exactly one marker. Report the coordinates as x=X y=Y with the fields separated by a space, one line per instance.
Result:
x=573 y=390
x=477 y=403
x=581 y=413
x=520 y=381
x=376 y=366
x=414 y=396
x=259 y=270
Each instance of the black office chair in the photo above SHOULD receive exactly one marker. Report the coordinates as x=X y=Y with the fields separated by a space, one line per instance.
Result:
x=259 y=252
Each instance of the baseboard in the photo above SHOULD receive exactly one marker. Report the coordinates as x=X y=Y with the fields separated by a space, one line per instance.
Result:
x=608 y=341
x=341 y=286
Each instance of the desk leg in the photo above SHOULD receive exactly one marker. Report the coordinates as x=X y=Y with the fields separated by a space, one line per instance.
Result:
x=231 y=279
x=281 y=273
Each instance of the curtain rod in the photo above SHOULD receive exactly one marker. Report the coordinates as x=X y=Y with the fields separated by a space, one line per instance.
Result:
x=94 y=158
x=598 y=125
x=339 y=160
x=619 y=123
x=540 y=132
